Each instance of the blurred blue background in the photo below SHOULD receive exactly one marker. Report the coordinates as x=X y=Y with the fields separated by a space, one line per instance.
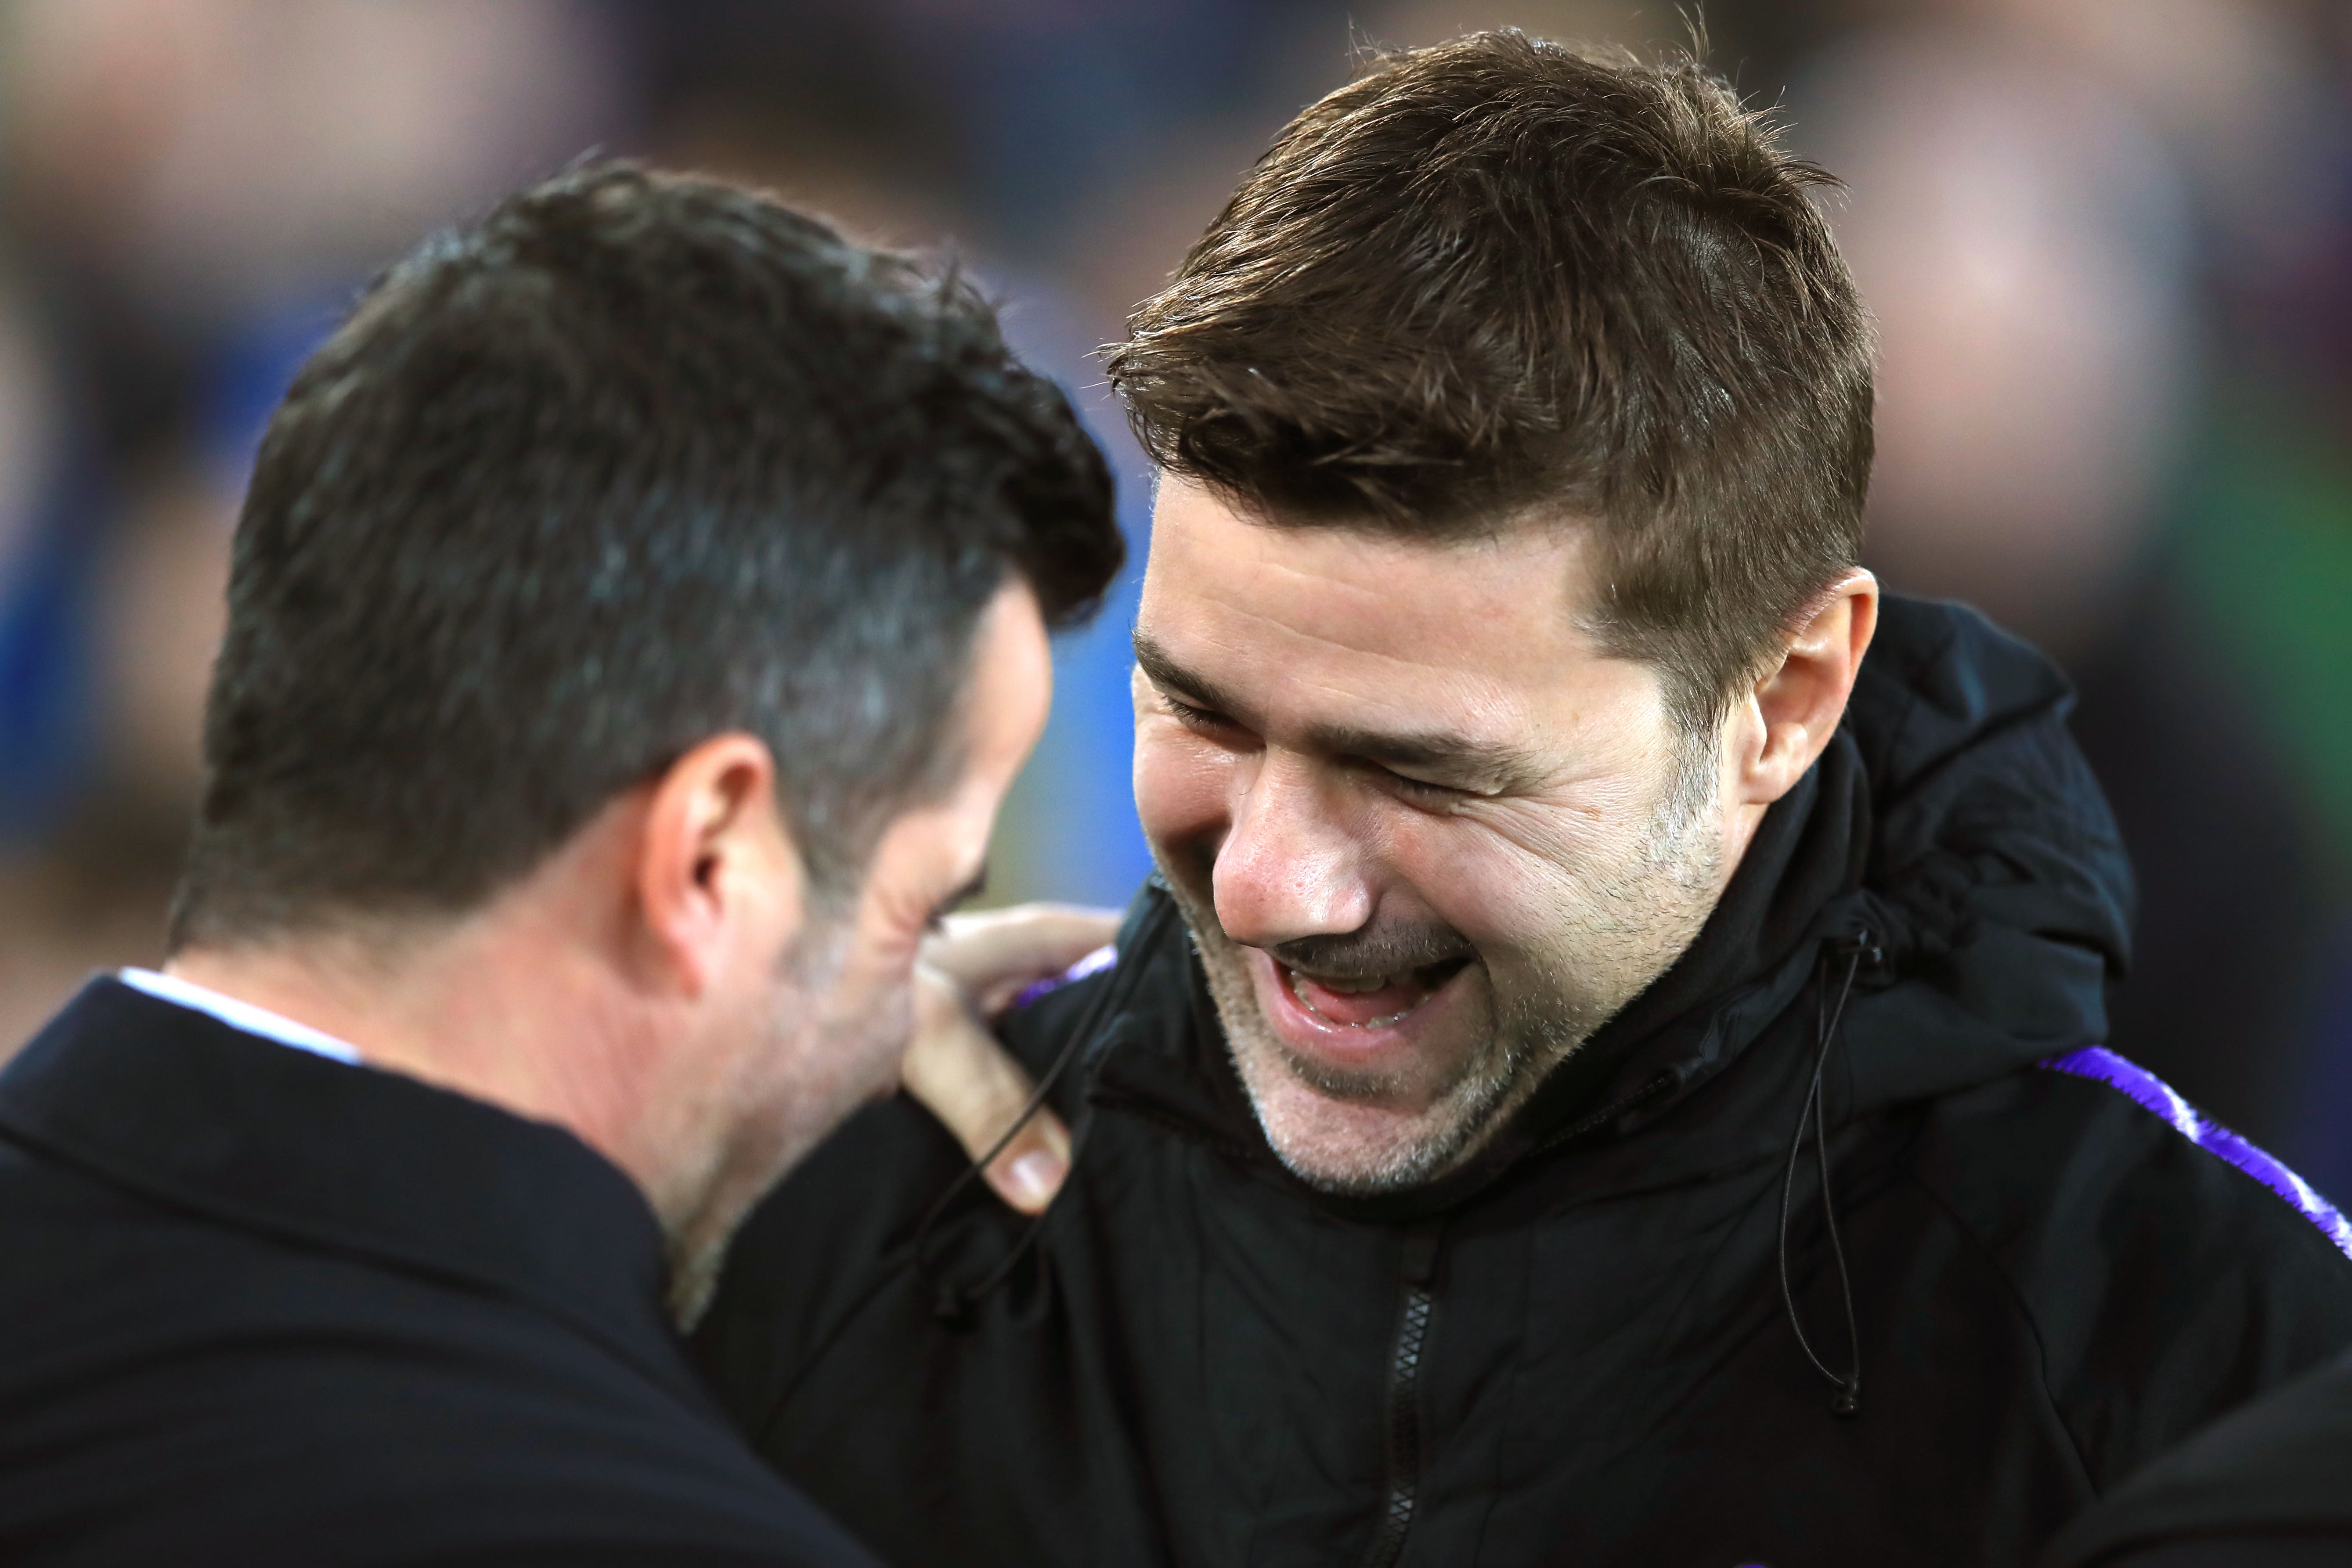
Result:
x=2108 y=242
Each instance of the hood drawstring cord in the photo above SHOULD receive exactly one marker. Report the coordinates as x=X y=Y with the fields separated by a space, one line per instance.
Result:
x=952 y=1303
x=1827 y=1017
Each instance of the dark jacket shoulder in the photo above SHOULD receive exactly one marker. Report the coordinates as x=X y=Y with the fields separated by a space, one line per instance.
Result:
x=2269 y=1486
x=265 y=1306
x=2129 y=1229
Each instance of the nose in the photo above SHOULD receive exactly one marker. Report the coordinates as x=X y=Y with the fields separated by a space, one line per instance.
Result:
x=1289 y=866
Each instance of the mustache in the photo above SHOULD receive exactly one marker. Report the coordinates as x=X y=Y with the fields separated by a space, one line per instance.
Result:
x=1390 y=947
x=1374 y=951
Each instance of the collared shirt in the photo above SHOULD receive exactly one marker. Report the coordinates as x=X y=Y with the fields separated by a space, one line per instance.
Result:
x=238 y=1015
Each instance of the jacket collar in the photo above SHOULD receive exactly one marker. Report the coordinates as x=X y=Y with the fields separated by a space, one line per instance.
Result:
x=183 y=1108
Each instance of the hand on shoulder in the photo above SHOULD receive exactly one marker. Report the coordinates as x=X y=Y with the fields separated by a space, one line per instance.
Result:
x=968 y=975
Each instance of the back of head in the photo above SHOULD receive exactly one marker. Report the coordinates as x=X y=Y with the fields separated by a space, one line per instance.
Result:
x=1502 y=278
x=638 y=459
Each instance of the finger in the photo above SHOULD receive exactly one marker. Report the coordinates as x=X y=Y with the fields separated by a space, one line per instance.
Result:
x=1037 y=939
x=997 y=955
x=1033 y=1166
x=962 y=1075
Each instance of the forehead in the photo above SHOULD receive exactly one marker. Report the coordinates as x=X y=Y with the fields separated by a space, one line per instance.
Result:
x=1297 y=619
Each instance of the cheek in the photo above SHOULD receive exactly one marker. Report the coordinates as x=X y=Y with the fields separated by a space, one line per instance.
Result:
x=917 y=865
x=889 y=938
x=1505 y=880
x=1182 y=785
x=1466 y=876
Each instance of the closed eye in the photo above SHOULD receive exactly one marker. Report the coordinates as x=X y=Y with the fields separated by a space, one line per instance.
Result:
x=1191 y=717
x=1420 y=790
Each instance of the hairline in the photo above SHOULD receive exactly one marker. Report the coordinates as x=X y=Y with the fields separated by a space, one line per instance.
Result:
x=1553 y=516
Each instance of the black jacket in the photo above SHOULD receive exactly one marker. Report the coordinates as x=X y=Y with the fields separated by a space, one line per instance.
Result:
x=1576 y=1350
x=2269 y=1486
x=260 y=1307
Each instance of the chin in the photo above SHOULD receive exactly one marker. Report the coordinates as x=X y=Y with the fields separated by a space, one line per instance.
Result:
x=1351 y=1146
x=1344 y=1130
x=1350 y=1108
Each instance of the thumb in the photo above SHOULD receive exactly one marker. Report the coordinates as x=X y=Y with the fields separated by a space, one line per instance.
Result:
x=960 y=1073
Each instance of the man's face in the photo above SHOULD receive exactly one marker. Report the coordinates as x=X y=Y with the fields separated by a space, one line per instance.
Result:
x=1427 y=836
x=822 y=1024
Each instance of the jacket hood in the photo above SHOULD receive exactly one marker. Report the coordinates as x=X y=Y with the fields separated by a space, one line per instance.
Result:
x=1995 y=879
x=1950 y=850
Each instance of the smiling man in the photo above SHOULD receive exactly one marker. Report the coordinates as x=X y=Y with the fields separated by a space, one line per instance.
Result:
x=1613 y=1067
x=1427 y=845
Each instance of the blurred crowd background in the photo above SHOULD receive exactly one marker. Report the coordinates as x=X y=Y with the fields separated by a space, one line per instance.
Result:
x=2108 y=242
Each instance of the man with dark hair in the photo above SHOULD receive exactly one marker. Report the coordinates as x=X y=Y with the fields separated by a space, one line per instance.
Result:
x=1604 y=1073
x=637 y=614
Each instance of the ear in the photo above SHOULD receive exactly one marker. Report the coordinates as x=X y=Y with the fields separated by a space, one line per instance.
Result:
x=1795 y=707
x=720 y=879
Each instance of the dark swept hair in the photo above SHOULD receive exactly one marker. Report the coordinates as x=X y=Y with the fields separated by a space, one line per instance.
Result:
x=636 y=459
x=1501 y=279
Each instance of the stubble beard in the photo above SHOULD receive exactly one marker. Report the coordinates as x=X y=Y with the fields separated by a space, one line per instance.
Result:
x=1624 y=925
x=813 y=1086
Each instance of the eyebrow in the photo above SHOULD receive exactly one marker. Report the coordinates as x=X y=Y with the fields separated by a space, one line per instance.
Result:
x=1481 y=766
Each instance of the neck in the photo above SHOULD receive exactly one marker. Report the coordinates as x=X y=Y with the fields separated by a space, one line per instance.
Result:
x=501 y=1010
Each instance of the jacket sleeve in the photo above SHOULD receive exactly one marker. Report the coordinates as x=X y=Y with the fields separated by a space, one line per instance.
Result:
x=2269 y=1486
x=2166 y=1282
x=2238 y=1552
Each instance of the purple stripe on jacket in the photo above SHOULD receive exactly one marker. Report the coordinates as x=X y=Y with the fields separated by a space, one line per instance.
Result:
x=2153 y=1092
x=1100 y=959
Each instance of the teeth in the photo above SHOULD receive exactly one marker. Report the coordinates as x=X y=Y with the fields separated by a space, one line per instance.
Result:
x=1298 y=989
x=1354 y=988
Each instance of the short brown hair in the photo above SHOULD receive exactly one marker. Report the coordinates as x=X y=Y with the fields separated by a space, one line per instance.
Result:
x=1501 y=277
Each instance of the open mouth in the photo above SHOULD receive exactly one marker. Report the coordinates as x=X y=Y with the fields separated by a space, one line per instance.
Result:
x=1371 y=1001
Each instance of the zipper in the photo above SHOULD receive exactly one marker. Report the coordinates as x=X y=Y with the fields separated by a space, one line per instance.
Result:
x=1417 y=1268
